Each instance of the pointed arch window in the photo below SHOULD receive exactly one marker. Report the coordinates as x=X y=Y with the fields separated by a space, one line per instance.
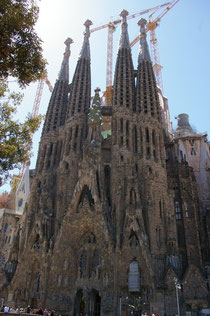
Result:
x=134 y=277
x=133 y=240
x=132 y=197
x=86 y=194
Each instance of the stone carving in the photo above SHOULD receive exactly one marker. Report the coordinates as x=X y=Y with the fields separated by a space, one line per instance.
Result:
x=107 y=302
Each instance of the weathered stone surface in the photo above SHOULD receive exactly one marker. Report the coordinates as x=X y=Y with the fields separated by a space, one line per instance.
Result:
x=97 y=205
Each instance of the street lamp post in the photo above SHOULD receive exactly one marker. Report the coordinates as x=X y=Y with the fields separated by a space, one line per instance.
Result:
x=178 y=287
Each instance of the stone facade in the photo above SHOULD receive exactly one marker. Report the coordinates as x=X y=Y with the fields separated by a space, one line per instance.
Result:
x=111 y=221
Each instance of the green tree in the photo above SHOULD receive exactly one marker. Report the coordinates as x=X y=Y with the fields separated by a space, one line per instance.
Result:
x=15 y=137
x=20 y=57
x=20 y=47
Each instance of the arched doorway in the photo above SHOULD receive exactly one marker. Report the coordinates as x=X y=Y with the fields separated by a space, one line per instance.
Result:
x=95 y=303
x=79 y=303
x=90 y=304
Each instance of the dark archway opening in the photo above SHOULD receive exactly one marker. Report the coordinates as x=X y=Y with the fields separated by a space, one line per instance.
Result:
x=79 y=303
x=90 y=305
x=95 y=303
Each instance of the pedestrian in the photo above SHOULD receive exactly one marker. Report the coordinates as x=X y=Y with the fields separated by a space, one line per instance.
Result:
x=6 y=309
x=2 y=309
x=52 y=313
x=28 y=310
x=40 y=311
x=45 y=312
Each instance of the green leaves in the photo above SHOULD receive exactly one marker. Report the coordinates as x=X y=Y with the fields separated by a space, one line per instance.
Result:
x=15 y=137
x=21 y=51
x=20 y=57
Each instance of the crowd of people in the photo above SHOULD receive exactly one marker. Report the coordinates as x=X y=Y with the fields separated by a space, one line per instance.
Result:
x=27 y=310
x=45 y=312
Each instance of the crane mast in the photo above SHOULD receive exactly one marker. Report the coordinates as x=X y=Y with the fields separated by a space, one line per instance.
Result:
x=109 y=67
x=44 y=79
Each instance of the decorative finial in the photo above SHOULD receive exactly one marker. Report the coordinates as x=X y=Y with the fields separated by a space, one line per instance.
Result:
x=68 y=41
x=142 y=22
x=64 y=72
x=143 y=48
x=85 y=52
x=123 y=14
x=87 y=25
x=124 y=40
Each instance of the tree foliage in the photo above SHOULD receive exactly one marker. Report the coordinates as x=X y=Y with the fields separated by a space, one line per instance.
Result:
x=21 y=51
x=20 y=57
x=15 y=137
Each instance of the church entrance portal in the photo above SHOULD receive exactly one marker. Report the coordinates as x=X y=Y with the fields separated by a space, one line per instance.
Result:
x=89 y=303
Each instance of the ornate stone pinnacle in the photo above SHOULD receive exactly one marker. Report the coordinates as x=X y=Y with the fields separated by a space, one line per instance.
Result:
x=124 y=13
x=68 y=41
x=87 y=25
x=142 y=22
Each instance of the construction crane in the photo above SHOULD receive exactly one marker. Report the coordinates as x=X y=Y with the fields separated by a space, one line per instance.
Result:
x=35 y=109
x=39 y=90
x=111 y=28
x=151 y=26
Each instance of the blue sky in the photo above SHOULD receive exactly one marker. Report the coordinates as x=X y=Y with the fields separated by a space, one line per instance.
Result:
x=183 y=40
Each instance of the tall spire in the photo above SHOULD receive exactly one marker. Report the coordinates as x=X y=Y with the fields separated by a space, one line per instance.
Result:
x=143 y=47
x=79 y=100
x=124 y=84
x=64 y=72
x=85 y=51
x=56 y=112
x=124 y=39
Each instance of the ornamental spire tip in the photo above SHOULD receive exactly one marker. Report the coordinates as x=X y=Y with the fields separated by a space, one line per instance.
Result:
x=123 y=14
x=124 y=40
x=142 y=22
x=144 y=49
x=85 y=52
x=68 y=41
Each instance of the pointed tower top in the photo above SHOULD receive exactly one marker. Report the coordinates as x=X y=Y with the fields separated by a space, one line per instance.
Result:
x=124 y=39
x=123 y=14
x=144 y=49
x=87 y=24
x=85 y=51
x=142 y=22
x=64 y=72
x=68 y=42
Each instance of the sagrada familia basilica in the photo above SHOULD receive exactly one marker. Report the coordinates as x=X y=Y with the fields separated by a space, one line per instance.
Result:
x=118 y=213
